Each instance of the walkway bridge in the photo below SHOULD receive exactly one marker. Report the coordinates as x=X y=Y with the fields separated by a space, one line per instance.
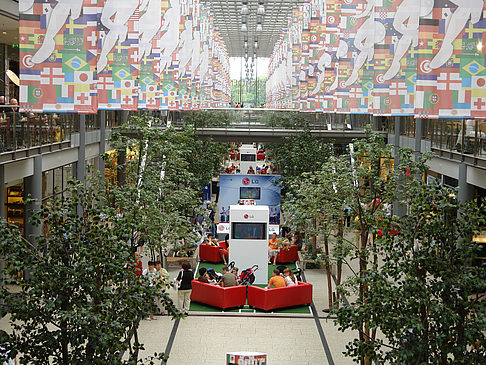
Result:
x=271 y=125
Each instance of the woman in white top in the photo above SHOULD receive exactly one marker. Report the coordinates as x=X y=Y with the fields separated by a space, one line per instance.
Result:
x=290 y=279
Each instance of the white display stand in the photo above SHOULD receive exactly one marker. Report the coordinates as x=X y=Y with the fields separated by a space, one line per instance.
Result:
x=252 y=221
x=248 y=157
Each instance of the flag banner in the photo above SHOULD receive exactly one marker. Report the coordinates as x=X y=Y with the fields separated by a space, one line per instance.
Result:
x=150 y=53
x=395 y=66
x=185 y=58
x=169 y=59
x=317 y=55
x=390 y=57
x=58 y=55
x=329 y=63
x=304 y=61
x=83 y=55
x=205 y=72
x=451 y=77
x=119 y=57
x=296 y=36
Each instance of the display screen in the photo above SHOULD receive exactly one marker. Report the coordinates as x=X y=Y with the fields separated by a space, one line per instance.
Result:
x=250 y=193
x=249 y=231
x=248 y=157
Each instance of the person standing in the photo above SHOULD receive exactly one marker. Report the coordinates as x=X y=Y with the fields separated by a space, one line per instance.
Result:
x=185 y=288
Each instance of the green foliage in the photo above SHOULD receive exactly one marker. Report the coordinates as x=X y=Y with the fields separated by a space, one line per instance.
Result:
x=296 y=155
x=285 y=120
x=425 y=296
x=244 y=92
x=214 y=118
x=166 y=173
x=81 y=300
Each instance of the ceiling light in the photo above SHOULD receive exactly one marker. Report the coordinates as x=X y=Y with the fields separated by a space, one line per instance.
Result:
x=256 y=45
x=244 y=28
x=245 y=10
x=261 y=10
x=259 y=28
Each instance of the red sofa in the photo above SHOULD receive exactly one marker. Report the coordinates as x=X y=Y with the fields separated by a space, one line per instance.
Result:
x=268 y=299
x=233 y=296
x=211 y=253
x=290 y=255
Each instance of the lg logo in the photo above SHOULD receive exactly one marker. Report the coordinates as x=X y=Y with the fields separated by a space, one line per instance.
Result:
x=247 y=181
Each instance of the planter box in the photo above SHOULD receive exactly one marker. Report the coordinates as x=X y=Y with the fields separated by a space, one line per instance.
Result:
x=177 y=261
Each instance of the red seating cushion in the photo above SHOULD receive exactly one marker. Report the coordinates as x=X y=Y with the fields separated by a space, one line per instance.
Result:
x=268 y=299
x=211 y=253
x=233 y=296
x=290 y=255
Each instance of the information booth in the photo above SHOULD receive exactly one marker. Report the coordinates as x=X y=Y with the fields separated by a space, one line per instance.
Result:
x=249 y=239
x=248 y=158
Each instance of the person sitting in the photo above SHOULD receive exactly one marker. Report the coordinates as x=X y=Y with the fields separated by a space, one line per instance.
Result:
x=289 y=277
x=203 y=275
x=251 y=171
x=276 y=280
x=235 y=273
x=273 y=249
x=228 y=279
x=212 y=242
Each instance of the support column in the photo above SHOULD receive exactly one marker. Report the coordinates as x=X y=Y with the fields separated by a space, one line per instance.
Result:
x=101 y=162
x=80 y=164
x=124 y=115
x=419 y=135
x=375 y=121
x=2 y=215
x=466 y=191
x=33 y=190
x=398 y=209
x=2 y=191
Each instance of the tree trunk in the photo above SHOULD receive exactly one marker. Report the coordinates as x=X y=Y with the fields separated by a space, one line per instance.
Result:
x=314 y=237
x=339 y=263
x=328 y=270
x=363 y=286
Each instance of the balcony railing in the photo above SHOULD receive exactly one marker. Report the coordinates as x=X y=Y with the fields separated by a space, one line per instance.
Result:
x=27 y=130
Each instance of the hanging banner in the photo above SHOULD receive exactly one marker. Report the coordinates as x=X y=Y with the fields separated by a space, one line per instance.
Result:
x=149 y=48
x=395 y=66
x=451 y=78
x=119 y=56
x=58 y=54
x=296 y=36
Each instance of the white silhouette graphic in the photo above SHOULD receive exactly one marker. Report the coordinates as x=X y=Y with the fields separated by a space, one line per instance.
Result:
x=324 y=61
x=57 y=20
x=185 y=47
x=406 y=22
x=368 y=34
x=466 y=10
x=25 y=5
x=196 y=53
x=170 y=40
x=115 y=18
x=341 y=52
x=149 y=26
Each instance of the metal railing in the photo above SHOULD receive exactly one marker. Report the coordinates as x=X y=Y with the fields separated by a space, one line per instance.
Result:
x=26 y=130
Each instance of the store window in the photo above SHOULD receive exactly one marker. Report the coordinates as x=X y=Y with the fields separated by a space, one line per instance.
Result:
x=55 y=182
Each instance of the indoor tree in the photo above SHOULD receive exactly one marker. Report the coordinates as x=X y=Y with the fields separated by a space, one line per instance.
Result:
x=427 y=295
x=80 y=301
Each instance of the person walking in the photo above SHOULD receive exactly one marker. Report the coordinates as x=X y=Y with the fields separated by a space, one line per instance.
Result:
x=185 y=288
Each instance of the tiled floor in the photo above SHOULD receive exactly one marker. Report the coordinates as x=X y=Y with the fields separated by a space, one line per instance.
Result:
x=206 y=338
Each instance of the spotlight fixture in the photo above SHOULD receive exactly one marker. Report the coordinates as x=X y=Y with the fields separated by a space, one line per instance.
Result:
x=244 y=28
x=259 y=28
x=245 y=10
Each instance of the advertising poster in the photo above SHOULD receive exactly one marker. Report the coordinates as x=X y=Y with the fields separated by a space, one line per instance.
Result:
x=263 y=189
